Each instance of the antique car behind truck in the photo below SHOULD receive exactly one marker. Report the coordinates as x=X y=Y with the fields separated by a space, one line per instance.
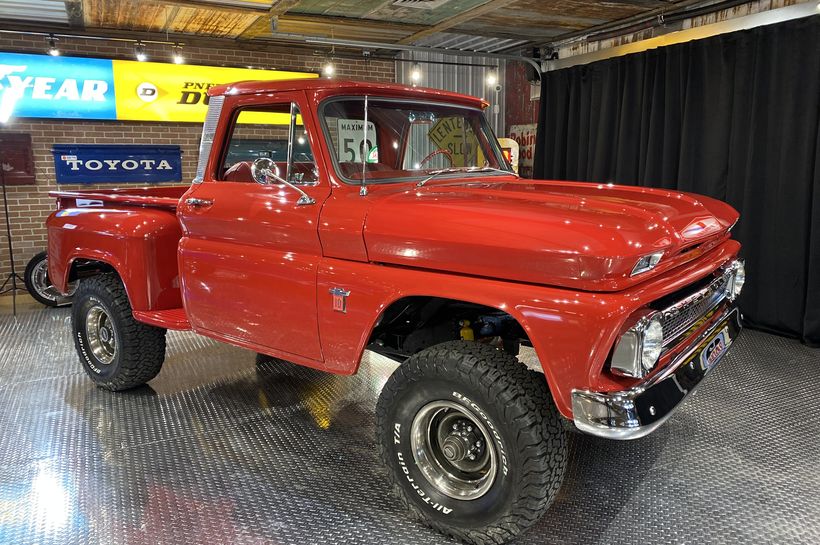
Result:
x=327 y=218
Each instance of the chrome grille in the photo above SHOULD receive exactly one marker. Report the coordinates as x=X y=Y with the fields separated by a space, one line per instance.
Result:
x=678 y=318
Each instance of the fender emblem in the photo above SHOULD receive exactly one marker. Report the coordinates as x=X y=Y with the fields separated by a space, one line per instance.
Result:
x=339 y=299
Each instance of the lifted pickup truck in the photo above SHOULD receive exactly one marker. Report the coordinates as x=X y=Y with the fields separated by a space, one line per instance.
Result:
x=327 y=218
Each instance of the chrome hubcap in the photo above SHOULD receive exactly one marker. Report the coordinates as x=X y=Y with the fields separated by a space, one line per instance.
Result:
x=450 y=448
x=101 y=335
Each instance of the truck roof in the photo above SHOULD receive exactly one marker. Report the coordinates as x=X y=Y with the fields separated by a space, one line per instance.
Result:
x=342 y=87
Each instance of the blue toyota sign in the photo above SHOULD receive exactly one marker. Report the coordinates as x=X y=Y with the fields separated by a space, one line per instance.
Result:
x=112 y=163
x=57 y=87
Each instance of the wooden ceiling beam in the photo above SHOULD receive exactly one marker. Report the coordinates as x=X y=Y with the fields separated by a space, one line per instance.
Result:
x=455 y=20
x=249 y=9
x=409 y=28
x=343 y=25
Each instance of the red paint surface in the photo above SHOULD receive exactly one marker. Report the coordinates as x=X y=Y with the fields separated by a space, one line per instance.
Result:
x=256 y=270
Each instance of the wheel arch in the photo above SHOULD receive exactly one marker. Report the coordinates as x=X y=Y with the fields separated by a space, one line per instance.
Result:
x=88 y=265
x=397 y=303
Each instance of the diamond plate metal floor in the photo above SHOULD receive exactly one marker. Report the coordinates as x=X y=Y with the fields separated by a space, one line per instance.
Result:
x=220 y=450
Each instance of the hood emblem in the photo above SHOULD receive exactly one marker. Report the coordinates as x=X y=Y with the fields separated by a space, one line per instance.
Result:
x=339 y=296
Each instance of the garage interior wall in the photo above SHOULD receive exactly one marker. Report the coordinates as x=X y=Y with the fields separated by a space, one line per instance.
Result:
x=462 y=75
x=736 y=117
x=29 y=205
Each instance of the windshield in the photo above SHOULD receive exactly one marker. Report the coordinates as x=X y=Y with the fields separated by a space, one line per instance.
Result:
x=404 y=140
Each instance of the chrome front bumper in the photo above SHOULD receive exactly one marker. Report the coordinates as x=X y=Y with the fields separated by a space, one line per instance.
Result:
x=633 y=413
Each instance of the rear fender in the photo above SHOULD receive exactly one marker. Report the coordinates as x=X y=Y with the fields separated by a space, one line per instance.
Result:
x=139 y=243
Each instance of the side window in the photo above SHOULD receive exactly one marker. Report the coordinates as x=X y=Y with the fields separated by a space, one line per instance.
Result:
x=271 y=131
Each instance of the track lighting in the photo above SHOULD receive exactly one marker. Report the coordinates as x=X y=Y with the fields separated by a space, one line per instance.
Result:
x=415 y=73
x=52 y=46
x=328 y=69
x=139 y=51
x=177 y=54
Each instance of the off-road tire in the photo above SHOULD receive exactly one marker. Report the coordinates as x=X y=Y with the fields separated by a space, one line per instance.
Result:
x=513 y=401
x=139 y=350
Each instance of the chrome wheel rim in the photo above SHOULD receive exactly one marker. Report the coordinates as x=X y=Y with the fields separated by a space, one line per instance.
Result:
x=101 y=335
x=43 y=286
x=451 y=449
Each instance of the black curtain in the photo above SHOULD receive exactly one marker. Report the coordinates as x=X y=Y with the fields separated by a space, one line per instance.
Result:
x=736 y=117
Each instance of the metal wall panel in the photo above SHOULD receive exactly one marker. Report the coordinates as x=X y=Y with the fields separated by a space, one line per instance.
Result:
x=42 y=11
x=469 y=80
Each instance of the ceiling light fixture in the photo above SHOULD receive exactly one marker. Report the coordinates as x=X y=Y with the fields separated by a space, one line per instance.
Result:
x=415 y=73
x=52 y=46
x=139 y=51
x=178 y=57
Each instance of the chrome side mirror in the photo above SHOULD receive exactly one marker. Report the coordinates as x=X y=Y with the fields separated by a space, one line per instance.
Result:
x=263 y=169
x=266 y=172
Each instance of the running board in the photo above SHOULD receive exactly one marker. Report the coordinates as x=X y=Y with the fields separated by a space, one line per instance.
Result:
x=173 y=318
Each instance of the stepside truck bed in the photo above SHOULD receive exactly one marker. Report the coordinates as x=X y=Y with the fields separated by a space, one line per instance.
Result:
x=133 y=231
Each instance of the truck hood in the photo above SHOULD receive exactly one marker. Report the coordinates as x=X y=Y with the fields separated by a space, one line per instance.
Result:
x=572 y=234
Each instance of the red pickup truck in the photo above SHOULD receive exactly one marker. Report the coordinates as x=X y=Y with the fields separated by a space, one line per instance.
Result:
x=327 y=218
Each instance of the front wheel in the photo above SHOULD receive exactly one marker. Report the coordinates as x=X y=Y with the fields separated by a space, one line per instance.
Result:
x=116 y=351
x=472 y=441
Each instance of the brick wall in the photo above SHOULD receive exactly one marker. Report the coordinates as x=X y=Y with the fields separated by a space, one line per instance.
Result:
x=30 y=205
x=520 y=108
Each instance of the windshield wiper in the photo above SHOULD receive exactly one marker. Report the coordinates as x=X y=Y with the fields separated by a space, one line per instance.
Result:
x=435 y=173
x=453 y=170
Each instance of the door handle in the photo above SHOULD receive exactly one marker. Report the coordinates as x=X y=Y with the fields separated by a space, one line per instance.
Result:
x=198 y=202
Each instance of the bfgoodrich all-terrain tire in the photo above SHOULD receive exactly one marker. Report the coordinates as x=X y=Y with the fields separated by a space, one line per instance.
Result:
x=116 y=351
x=472 y=441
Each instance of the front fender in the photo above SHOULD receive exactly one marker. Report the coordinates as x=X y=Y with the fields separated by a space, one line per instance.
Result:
x=572 y=331
x=139 y=243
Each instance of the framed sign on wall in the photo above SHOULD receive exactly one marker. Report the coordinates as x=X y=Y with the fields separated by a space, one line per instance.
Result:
x=60 y=87
x=114 y=163
x=16 y=159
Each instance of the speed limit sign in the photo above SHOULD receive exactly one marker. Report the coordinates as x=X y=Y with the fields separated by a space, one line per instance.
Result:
x=352 y=143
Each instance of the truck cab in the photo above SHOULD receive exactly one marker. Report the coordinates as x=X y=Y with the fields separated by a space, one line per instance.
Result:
x=327 y=218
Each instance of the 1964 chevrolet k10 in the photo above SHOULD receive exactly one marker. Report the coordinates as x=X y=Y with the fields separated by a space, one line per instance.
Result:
x=327 y=218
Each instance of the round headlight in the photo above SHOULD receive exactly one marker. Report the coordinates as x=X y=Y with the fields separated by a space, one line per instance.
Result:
x=739 y=279
x=652 y=343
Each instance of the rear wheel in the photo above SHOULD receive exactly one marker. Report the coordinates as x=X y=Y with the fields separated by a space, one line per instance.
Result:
x=116 y=351
x=472 y=441
x=40 y=287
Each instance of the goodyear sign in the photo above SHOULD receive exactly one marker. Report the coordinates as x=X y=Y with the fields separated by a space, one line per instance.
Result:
x=45 y=86
x=67 y=87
